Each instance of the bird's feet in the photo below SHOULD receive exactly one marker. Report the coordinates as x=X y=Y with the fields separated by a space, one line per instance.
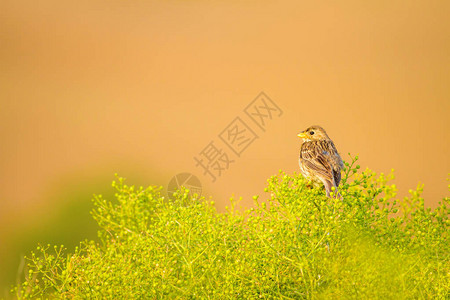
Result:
x=310 y=185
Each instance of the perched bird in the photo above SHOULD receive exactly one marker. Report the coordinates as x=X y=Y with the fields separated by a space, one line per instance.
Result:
x=319 y=159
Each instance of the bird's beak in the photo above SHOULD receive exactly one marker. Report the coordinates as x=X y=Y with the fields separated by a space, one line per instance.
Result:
x=302 y=135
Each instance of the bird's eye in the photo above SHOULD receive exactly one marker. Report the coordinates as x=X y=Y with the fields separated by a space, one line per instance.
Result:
x=311 y=132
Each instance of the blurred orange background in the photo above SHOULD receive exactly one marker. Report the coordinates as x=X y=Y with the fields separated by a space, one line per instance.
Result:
x=90 y=88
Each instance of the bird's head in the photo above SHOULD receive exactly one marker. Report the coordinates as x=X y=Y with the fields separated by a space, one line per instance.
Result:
x=314 y=133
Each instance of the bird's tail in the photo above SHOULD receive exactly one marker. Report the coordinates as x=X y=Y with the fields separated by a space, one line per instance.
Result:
x=329 y=190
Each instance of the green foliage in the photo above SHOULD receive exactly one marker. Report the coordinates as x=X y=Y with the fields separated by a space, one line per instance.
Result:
x=298 y=244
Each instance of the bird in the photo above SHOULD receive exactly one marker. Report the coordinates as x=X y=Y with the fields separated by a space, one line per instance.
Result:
x=319 y=159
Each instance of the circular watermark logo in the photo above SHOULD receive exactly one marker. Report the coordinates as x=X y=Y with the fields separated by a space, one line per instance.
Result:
x=187 y=180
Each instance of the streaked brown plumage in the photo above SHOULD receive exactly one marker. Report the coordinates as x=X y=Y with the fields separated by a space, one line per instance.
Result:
x=319 y=159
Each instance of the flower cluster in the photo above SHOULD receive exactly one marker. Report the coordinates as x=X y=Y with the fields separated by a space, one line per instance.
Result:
x=295 y=244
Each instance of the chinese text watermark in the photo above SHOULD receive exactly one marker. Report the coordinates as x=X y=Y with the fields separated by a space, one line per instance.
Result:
x=214 y=159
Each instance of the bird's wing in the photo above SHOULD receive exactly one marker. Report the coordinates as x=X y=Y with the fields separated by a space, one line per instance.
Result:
x=323 y=158
x=335 y=161
x=337 y=176
x=317 y=159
